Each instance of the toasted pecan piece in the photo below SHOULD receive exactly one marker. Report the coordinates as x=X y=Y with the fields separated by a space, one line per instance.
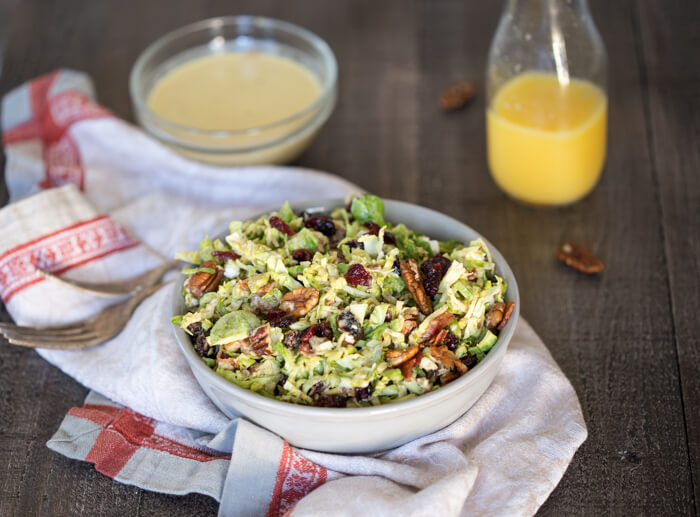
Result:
x=448 y=377
x=299 y=301
x=437 y=338
x=259 y=341
x=407 y=366
x=579 y=258
x=437 y=324
x=494 y=315
x=398 y=356
x=410 y=320
x=408 y=326
x=457 y=95
x=202 y=282
x=506 y=315
x=448 y=358
x=411 y=277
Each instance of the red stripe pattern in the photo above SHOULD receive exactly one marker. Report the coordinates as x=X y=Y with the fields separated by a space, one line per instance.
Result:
x=60 y=251
x=51 y=118
x=124 y=432
x=296 y=477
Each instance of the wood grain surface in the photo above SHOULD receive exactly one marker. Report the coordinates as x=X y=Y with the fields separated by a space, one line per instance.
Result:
x=629 y=339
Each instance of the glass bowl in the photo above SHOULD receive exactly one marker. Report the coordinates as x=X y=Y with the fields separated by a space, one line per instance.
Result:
x=276 y=143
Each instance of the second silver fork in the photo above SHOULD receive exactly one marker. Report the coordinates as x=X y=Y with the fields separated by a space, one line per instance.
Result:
x=116 y=289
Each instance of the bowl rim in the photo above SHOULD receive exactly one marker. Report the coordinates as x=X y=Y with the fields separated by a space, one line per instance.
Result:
x=384 y=410
x=248 y=21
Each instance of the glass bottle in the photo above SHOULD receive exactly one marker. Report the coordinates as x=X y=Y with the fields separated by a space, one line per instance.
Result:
x=547 y=103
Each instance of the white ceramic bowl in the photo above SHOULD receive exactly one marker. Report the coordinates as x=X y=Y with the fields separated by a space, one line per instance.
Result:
x=366 y=429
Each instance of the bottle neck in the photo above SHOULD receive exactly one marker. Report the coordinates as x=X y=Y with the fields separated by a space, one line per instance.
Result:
x=559 y=23
x=547 y=8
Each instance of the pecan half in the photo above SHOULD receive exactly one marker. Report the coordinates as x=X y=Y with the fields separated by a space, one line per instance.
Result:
x=411 y=277
x=494 y=315
x=202 y=282
x=407 y=367
x=435 y=326
x=410 y=320
x=447 y=358
x=259 y=341
x=506 y=315
x=300 y=301
x=457 y=95
x=438 y=338
x=579 y=258
x=448 y=377
x=396 y=357
x=408 y=326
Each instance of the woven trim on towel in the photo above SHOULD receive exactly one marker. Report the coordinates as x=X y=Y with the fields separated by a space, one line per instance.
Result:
x=60 y=251
x=296 y=477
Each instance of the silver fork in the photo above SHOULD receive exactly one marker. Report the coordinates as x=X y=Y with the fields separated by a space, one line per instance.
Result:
x=117 y=289
x=108 y=323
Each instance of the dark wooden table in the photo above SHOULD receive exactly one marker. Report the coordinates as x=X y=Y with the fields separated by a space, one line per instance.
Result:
x=629 y=340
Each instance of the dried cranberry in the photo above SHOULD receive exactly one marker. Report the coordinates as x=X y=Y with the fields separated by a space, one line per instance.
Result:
x=358 y=275
x=389 y=238
x=278 y=223
x=355 y=244
x=318 y=330
x=470 y=361
x=323 y=329
x=431 y=375
x=302 y=255
x=316 y=389
x=321 y=223
x=283 y=379
x=348 y=323
x=275 y=315
x=363 y=393
x=432 y=271
x=331 y=401
x=280 y=319
x=450 y=341
x=396 y=268
x=194 y=328
x=372 y=227
x=225 y=255
x=202 y=346
x=293 y=339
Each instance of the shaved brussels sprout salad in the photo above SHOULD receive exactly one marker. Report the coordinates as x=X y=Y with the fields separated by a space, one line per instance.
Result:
x=342 y=309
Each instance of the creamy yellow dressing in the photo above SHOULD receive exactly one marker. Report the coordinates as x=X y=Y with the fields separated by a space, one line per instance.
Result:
x=234 y=91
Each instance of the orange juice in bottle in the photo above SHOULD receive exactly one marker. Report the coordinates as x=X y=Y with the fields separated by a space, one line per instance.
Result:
x=547 y=112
